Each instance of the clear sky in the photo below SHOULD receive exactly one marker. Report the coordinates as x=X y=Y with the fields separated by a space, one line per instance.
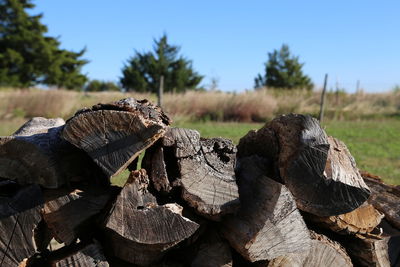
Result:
x=229 y=40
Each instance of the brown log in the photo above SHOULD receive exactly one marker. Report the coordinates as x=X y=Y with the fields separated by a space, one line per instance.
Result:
x=385 y=198
x=19 y=216
x=362 y=220
x=323 y=252
x=153 y=162
x=114 y=134
x=206 y=169
x=319 y=171
x=72 y=214
x=268 y=223
x=138 y=230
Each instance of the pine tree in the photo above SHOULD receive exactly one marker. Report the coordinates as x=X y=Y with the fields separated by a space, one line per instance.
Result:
x=282 y=70
x=143 y=71
x=29 y=57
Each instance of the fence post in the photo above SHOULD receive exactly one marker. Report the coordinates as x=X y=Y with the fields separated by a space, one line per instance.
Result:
x=322 y=106
x=160 y=92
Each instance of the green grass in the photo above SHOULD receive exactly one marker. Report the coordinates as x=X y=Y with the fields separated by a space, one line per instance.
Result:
x=374 y=144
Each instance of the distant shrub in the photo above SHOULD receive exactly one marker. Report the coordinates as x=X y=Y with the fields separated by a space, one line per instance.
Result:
x=101 y=86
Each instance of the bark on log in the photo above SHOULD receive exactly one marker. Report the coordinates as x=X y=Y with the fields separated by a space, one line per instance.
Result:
x=19 y=216
x=362 y=220
x=319 y=171
x=206 y=169
x=268 y=224
x=115 y=134
x=323 y=252
x=138 y=230
x=70 y=215
x=38 y=125
x=385 y=198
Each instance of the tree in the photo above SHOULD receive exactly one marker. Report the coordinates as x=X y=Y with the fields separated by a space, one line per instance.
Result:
x=101 y=86
x=282 y=70
x=143 y=71
x=29 y=57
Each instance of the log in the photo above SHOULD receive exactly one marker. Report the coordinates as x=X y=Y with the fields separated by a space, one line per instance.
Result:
x=138 y=230
x=90 y=255
x=114 y=134
x=323 y=252
x=362 y=220
x=319 y=171
x=32 y=159
x=19 y=216
x=38 y=125
x=72 y=214
x=385 y=198
x=268 y=224
x=206 y=169
x=154 y=164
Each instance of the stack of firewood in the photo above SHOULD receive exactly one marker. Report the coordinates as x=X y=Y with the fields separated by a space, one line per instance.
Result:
x=287 y=195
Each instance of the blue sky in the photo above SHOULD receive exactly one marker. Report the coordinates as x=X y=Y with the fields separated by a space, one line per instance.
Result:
x=229 y=40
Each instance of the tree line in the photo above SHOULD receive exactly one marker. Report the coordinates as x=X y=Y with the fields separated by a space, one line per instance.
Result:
x=29 y=57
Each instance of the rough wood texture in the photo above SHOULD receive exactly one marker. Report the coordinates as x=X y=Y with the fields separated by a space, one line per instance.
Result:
x=362 y=220
x=138 y=230
x=115 y=134
x=153 y=162
x=207 y=174
x=38 y=125
x=19 y=216
x=268 y=224
x=385 y=198
x=319 y=171
x=68 y=216
x=32 y=159
x=323 y=252
x=89 y=256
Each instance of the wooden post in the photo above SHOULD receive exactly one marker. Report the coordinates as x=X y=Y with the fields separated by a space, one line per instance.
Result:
x=321 y=110
x=161 y=91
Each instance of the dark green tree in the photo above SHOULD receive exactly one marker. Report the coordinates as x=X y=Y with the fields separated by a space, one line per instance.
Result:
x=29 y=57
x=101 y=86
x=143 y=71
x=283 y=70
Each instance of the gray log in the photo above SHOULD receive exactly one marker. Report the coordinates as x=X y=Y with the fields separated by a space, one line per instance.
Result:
x=114 y=134
x=268 y=224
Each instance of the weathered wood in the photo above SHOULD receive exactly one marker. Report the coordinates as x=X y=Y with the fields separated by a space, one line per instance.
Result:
x=206 y=169
x=70 y=215
x=89 y=256
x=138 y=230
x=38 y=125
x=323 y=252
x=319 y=171
x=268 y=223
x=385 y=198
x=114 y=134
x=153 y=162
x=362 y=220
x=19 y=216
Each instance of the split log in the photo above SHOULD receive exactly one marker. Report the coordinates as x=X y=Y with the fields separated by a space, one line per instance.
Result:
x=323 y=252
x=206 y=167
x=268 y=224
x=38 y=125
x=154 y=164
x=71 y=215
x=319 y=171
x=385 y=198
x=138 y=230
x=362 y=220
x=114 y=134
x=89 y=256
x=32 y=159
x=19 y=216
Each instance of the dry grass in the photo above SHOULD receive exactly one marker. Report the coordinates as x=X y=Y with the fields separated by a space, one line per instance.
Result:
x=252 y=106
